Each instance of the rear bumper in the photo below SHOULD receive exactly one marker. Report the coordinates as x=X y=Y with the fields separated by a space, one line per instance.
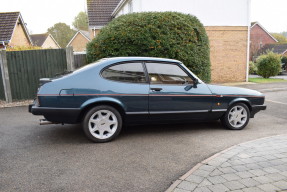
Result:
x=57 y=115
x=256 y=109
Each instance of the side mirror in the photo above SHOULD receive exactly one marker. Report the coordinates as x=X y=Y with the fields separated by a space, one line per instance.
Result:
x=188 y=87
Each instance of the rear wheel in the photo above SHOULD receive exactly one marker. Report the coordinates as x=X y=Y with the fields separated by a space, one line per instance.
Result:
x=102 y=124
x=236 y=117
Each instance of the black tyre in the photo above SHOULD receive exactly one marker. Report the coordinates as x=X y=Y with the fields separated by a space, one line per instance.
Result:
x=102 y=124
x=236 y=117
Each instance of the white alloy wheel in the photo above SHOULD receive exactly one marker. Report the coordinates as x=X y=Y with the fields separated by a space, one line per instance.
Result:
x=103 y=124
x=237 y=116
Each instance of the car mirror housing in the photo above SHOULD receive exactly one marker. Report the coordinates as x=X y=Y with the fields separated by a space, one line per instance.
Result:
x=195 y=82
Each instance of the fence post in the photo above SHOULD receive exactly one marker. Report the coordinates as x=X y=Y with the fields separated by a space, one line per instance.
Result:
x=70 y=59
x=5 y=76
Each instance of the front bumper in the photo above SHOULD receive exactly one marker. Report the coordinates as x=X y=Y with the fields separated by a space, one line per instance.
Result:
x=256 y=109
x=57 y=115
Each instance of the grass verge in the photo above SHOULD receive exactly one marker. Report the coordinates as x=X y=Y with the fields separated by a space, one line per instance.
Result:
x=262 y=80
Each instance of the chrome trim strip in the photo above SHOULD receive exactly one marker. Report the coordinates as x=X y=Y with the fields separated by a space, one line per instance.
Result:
x=137 y=113
x=218 y=110
x=173 y=112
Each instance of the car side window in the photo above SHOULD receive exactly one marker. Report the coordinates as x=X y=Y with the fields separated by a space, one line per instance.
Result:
x=165 y=73
x=126 y=72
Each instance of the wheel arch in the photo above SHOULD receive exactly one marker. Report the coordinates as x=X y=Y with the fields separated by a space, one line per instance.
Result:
x=241 y=100
x=88 y=105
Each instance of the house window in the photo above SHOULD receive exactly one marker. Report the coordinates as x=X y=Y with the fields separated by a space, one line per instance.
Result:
x=260 y=45
x=130 y=6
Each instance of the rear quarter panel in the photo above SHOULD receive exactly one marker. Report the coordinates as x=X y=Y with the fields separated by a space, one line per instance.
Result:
x=83 y=88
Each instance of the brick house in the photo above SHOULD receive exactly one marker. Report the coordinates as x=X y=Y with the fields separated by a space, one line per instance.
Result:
x=45 y=41
x=227 y=24
x=13 y=30
x=79 y=41
x=259 y=37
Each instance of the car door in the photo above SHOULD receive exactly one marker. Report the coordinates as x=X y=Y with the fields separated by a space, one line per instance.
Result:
x=173 y=95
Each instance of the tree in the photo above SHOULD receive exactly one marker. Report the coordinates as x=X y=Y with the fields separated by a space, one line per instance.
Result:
x=280 y=37
x=155 y=34
x=62 y=33
x=284 y=33
x=81 y=21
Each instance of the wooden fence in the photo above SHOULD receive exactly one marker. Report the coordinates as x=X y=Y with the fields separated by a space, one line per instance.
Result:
x=80 y=60
x=2 y=95
x=20 y=71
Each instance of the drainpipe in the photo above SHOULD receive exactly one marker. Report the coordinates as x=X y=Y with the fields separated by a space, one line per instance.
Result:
x=248 y=40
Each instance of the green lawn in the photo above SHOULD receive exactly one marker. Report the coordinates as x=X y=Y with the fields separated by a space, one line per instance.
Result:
x=262 y=80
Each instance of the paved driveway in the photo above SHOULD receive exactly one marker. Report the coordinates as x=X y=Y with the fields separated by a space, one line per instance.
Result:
x=143 y=158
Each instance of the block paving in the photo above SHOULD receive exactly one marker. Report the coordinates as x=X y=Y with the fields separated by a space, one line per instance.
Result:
x=259 y=165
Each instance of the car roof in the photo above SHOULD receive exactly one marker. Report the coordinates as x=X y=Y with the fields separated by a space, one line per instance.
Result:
x=120 y=59
x=107 y=61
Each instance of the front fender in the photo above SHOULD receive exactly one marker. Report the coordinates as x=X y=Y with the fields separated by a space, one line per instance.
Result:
x=103 y=100
x=238 y=100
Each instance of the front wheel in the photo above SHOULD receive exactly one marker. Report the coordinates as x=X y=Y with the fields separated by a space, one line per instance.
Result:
x=102 y=124
x=236 y=117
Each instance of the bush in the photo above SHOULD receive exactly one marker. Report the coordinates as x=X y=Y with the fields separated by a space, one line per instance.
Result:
x=252 y=68
x=153 y=34
x=269 y=65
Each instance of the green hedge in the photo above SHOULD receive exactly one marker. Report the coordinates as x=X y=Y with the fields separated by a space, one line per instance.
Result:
x=269 y=65
x=155 y=34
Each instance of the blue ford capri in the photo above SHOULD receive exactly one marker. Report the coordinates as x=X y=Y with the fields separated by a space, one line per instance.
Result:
x=113 y=92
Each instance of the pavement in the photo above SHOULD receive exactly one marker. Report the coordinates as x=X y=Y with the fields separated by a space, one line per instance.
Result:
x=145 y=158
x=256 y=166
x=281 y=76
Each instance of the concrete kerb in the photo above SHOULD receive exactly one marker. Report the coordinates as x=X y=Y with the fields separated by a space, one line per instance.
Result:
x=205 y=162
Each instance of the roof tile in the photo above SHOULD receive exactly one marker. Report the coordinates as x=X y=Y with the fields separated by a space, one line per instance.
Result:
x=7 y=24
x=39 y=39
x=100 y=11
x=276 y=48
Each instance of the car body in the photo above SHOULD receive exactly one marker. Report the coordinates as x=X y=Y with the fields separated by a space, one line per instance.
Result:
x=136 y=90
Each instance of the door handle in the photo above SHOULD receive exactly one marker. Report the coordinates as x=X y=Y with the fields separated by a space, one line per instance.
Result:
x=156 y=89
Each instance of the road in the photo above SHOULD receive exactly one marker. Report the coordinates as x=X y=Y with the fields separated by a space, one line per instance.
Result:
x=142 y=158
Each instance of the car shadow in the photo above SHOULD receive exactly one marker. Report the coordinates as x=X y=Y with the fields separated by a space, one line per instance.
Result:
x=75 y=134
x=171 y=128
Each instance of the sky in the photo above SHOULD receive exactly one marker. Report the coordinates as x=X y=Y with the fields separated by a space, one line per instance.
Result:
x=42 y=14
x=271 y=14
x=39 y=15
